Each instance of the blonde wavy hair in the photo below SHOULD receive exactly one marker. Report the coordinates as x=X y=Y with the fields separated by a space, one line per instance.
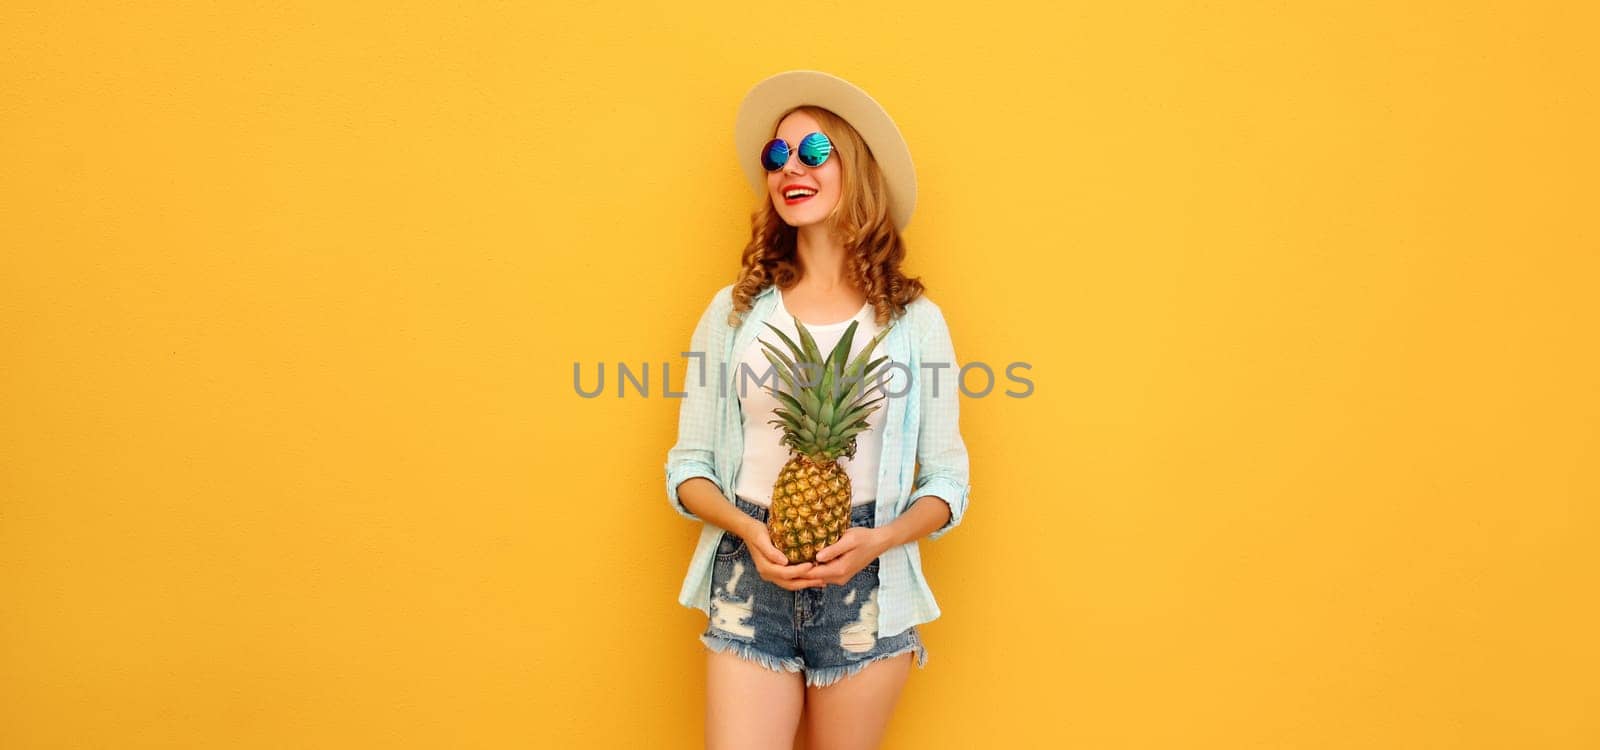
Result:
x=873 y=246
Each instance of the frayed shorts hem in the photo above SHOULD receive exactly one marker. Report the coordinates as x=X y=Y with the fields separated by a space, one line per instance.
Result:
x=749 y=652
x=815 y=677
x=825 y=676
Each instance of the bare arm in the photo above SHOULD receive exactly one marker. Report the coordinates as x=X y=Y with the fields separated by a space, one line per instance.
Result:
x=703 y=498
x=926 y=515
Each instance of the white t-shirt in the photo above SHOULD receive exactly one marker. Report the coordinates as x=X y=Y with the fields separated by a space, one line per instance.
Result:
x=764 y=456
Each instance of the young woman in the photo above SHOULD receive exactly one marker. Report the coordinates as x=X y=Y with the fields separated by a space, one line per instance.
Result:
x=821 y=648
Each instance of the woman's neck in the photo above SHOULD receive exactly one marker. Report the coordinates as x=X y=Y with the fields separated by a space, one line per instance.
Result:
x=821 y=260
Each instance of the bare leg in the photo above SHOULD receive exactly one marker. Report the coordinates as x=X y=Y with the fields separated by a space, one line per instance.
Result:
x=853 y=713
x=750 y=706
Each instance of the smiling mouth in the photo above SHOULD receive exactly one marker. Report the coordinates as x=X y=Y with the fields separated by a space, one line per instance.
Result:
x=798 y=196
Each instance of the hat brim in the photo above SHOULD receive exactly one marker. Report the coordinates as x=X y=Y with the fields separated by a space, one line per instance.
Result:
x=770 y=98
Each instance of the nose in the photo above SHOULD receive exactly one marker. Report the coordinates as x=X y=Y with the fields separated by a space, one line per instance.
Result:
x=793 y=165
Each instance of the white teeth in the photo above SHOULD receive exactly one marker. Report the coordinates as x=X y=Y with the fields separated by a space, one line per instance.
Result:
x=799 y=192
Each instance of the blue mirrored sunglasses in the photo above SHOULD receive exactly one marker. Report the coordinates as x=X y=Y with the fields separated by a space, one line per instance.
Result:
x=813 y=151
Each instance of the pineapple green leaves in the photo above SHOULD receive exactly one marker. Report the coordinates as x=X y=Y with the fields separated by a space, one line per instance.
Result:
x=823 y=408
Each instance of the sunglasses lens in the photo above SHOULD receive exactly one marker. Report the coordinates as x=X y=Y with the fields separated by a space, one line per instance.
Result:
x=774 y=155
x=814 y=149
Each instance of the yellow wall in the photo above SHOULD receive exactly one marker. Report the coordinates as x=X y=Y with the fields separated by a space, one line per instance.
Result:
x=290 y=299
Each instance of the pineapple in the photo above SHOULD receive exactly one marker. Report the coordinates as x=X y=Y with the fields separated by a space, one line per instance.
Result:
x=820 y=417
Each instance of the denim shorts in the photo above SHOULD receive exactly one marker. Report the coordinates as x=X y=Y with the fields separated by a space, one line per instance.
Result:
x=828 y=632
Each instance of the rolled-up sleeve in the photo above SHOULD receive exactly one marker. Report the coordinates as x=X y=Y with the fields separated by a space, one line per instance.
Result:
x=943 y=467
x=694 y=454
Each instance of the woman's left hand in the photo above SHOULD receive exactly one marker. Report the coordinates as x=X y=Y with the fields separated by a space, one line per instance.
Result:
x=840 y=561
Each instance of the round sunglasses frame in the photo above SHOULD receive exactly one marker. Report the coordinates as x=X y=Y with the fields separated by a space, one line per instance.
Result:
x=810 y=143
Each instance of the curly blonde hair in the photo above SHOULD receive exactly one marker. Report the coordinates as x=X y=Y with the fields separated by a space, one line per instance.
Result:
x=873 y=246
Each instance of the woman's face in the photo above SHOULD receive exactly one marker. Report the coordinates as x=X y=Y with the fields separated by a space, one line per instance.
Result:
x=824 y=179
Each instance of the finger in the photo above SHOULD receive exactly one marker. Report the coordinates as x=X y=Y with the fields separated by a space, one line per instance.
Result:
x=833 y=551
x=771 y=552
x=823 y=571
x=795 y=584
x=795 y=572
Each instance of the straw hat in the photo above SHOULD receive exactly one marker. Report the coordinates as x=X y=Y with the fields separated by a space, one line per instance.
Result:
x=758 y=120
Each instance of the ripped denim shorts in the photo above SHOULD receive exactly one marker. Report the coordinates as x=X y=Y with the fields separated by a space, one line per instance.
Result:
x=828 y=632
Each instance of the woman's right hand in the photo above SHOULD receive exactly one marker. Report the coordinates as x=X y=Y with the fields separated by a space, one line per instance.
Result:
x=771 y=562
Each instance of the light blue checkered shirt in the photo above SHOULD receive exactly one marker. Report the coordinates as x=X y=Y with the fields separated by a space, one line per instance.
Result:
x=923 y=453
